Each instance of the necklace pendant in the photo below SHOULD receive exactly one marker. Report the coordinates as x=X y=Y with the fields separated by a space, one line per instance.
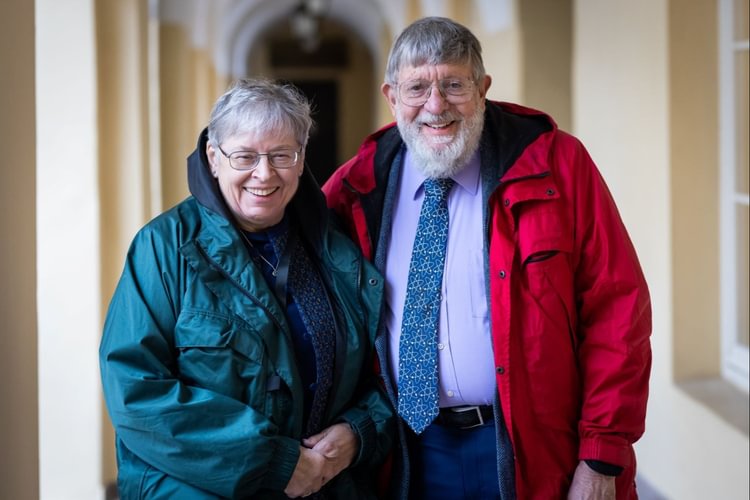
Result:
x=274 y=273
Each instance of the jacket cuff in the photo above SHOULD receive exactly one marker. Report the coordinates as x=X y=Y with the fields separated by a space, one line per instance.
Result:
x=282 y=464
x=612 y=452
x=364 y=428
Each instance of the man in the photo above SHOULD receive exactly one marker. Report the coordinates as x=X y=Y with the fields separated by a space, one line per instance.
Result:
x=517 y=353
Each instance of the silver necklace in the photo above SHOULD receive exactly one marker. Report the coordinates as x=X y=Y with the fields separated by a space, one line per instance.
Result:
x=255 y=250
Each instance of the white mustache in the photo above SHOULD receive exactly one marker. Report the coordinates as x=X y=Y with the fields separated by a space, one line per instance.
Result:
x=447 y=117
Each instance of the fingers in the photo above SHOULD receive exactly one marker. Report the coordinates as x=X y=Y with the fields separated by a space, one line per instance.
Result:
x=312 y=440
x=322 y=457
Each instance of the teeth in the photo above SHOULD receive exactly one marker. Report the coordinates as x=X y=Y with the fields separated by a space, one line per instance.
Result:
x=438 y=125
x=261 y=191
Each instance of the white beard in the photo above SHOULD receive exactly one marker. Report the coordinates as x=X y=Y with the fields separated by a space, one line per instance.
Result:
x=452 y=153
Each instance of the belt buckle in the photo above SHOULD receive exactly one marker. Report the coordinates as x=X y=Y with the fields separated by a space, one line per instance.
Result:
x=462 y=409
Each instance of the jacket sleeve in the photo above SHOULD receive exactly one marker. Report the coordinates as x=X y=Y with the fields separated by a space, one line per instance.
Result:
x=193 y=434
x=614 y=318
x=369 y=414
x=372 y=420
x=346 y=206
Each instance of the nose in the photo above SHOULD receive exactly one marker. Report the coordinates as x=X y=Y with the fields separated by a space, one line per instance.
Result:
x=263 y=170
x=436 y=102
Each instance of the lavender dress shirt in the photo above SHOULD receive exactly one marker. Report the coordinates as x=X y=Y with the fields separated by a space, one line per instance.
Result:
x=465 y=362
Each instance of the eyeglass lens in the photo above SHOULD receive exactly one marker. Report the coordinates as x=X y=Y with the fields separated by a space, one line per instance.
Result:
x=417 y=92
x=248 y=160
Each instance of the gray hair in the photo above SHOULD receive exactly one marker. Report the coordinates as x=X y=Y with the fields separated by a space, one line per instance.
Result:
x=256 y=103
x=434 y=40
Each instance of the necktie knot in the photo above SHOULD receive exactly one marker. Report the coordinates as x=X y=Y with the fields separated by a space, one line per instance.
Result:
x=437 y=188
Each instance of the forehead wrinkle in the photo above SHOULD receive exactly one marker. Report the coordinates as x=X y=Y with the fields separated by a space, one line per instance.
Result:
x=434 y=72
x=259 y=133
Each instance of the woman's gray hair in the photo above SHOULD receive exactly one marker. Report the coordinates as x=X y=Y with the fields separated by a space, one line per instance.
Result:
x=434 y=40
x=253 y=104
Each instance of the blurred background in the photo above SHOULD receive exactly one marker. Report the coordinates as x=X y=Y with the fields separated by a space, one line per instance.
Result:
x=101 y=101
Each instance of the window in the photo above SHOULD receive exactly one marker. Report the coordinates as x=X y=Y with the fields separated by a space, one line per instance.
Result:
x=734 y=193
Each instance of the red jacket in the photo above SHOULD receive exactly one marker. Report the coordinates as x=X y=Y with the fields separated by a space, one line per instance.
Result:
x=570 y=309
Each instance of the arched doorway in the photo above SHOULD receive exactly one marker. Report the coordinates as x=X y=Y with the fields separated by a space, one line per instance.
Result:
x=337 y=76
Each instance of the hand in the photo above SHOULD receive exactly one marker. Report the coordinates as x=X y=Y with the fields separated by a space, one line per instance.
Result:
x=338 y=444
x=590 y=485
x=307 y=476
x=324 y=456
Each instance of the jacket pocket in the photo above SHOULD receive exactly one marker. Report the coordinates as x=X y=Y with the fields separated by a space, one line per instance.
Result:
x=543 y=231
x=549 y=282
x=545 y=245
x=549 y=315
x=222 y=354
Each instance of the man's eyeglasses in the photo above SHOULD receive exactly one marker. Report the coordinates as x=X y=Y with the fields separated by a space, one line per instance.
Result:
x=455 y=90
x=248 y=160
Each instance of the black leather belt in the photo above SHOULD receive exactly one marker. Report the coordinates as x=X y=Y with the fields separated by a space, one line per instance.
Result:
x=465 y=417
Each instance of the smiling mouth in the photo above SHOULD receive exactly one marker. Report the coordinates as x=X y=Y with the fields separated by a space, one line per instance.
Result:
x=441 y=132
x=439 y=126
x=262 y=192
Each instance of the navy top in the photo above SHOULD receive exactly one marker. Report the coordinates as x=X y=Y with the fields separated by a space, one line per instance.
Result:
x=262 y=243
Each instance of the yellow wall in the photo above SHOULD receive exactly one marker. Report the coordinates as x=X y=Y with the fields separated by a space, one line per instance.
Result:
x=383 y=115
x=503 y=58
x=624 y=58
x=546 y=44
x=694 y=151
x=19 y=476
x=178 y=132
x=125 y=163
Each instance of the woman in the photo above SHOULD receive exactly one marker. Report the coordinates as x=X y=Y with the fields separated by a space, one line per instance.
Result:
x=237 y=350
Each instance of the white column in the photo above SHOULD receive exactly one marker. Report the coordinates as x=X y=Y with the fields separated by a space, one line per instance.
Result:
x=69 y=297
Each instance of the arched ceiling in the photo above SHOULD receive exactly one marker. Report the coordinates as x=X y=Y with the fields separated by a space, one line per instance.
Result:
x=244 y=24
x=229 y=28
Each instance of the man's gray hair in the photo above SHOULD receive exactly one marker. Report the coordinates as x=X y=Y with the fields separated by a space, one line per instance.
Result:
x=434 y=40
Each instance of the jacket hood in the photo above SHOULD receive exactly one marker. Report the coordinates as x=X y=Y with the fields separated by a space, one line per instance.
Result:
x=307 y=206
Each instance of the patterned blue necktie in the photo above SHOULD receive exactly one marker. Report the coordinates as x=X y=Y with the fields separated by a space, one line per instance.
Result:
x=417 y=367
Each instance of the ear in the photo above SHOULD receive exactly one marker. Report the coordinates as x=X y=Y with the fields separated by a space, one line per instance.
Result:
x=213 y=161
x=389 y=92
x=484 y=86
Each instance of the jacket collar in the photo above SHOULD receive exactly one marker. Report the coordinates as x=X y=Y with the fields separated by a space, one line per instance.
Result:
x=509 y=132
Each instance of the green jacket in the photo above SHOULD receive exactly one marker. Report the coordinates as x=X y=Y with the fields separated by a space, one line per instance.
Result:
x=197 y=363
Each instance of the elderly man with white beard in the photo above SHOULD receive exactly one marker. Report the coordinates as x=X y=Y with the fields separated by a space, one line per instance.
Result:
x=515 y=334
